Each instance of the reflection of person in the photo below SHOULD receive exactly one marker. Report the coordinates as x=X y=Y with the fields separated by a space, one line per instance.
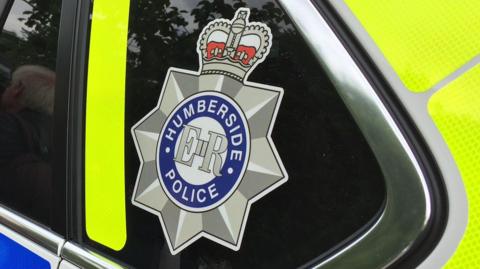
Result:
x=26 y=109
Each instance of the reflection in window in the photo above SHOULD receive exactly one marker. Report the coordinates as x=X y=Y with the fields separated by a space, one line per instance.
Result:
x=30 y=34
x=15 y=24
x=28 y=44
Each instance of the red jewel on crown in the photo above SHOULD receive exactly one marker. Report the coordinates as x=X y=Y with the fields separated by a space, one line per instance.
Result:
x=234 y=47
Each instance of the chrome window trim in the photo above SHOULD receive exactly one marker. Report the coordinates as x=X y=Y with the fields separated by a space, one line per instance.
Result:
x=85 y=258
x=53 y=243
x=64 y=264
x=24 y=227
x=395 y=231
x=416 y=105
x=52 y=258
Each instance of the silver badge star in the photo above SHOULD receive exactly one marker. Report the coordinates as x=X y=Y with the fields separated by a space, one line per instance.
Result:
x=222 y=220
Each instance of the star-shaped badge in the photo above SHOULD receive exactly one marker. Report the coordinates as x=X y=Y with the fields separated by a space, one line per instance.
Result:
x=206 y=152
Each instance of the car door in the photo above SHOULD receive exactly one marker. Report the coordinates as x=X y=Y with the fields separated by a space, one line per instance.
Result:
x=330 y=173
x=346 y=170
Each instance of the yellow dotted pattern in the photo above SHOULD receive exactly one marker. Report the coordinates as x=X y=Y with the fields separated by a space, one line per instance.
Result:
x=424 y=41
x=456 y=112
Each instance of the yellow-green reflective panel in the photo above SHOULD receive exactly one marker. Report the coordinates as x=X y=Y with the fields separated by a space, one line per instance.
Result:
x=104 y=138
x=424 y=41
x=456 y=112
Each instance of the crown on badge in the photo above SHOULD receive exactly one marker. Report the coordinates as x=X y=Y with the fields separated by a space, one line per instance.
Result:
x=234 y=47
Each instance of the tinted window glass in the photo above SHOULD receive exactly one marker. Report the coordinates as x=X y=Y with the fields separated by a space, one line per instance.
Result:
x=28 y=47
x=335 y=185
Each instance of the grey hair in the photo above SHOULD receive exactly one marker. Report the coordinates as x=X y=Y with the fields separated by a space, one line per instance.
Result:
x=39 y=87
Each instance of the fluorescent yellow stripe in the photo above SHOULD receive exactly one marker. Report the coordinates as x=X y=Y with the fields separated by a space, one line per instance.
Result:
x=423 y=40
x=104 y=145
x=456 y=111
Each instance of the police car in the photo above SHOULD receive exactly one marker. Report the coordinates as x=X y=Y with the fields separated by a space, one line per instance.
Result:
x=239 y=134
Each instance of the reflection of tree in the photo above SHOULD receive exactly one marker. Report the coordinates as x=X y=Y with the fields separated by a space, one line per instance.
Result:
x=38 y=42
x=162 y=35
x=44 y=20
x=206 y=11
x=155 y=26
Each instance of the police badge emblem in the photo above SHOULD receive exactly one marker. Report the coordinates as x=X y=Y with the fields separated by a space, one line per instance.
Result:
x=206 y=152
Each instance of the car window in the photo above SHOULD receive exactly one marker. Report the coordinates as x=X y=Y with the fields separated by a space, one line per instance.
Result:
x=28 y=48
x=334 y=187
